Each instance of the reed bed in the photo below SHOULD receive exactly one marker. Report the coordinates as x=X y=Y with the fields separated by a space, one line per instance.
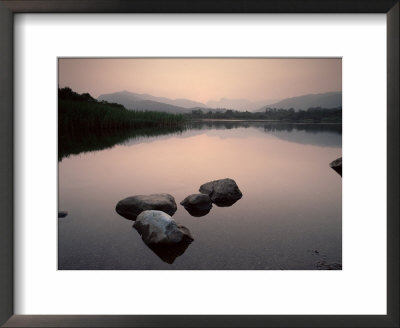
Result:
x=81 y=112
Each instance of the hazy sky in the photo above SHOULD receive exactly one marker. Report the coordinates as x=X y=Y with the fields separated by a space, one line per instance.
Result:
x=203 y=79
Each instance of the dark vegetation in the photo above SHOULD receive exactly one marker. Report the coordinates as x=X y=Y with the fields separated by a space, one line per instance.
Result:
x=81 y=112
x=85 y=124
x=311 y=115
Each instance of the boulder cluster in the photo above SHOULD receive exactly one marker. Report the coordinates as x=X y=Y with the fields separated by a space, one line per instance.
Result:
x=153 y=215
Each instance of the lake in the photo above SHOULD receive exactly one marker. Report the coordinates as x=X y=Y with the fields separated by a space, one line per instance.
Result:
x=289 y=218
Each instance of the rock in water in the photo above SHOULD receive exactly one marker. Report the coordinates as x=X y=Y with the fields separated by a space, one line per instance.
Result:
x=62 y=214
x=200 y=201
x=223 y=192
x=197 y=201
x=131 y=207
x=197 y=204
x=337 y=165
x=157 y=227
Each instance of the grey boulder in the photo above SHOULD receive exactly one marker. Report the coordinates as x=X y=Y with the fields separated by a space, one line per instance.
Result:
x=223 y=192
x=199 y=201
x=131 y=207
x=337 y=165
x=197 y=204
x=157 y=227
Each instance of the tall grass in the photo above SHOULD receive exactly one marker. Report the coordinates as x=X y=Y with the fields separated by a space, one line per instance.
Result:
x=81 y=112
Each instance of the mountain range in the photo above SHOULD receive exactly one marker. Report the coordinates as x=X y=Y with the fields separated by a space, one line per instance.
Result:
x=136 y=101
x=324 y=100
x=145 y=101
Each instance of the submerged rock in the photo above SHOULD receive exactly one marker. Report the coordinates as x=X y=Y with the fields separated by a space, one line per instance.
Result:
x=337 y=165
x=62 y=214
x=223 y=192
x=131 y=207
x=157 y=227
x=197 y=204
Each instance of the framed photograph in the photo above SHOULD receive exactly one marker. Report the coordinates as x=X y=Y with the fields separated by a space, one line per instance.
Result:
x=188 y=161
x=182 y=164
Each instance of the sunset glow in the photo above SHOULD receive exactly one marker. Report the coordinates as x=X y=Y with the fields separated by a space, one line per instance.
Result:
x=203 y=79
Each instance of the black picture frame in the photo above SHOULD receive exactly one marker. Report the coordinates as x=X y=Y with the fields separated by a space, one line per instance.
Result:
x=10 y=7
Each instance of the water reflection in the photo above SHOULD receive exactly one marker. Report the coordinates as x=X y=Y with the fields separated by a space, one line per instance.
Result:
x=169 y=252
x=83 y=142
x=197 y=212
x=74 y=144
x=329 y=135
x=267 y=126
x=292 y=198
x=226 y=202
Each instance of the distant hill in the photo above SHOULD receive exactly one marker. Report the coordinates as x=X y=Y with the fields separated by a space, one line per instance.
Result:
x=180 y=102
x=238 y=104
x=324 y=100
x=137 y=101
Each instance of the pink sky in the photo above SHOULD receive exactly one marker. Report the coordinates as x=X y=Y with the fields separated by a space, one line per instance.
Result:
x=203 y=79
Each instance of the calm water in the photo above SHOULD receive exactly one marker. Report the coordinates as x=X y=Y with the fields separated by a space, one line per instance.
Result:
x=288 y=218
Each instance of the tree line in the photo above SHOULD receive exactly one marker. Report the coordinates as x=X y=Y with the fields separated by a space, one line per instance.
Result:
x=312 y=115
